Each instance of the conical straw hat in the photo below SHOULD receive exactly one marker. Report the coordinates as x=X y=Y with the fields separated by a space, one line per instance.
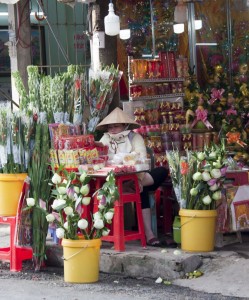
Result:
x=117 y=116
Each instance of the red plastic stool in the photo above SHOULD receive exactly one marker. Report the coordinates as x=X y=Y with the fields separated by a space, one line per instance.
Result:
x=119 y=235
x=15 y=254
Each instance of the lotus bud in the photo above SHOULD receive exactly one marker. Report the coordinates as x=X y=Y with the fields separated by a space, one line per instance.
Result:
x=215 y=173
x=212 y=154
x=109 y=215
x=65 y=225
x=56 y=179
x=64 y=181
x=70 y=193
x=214 y=187
x=68 y=210
x=197 y=176
x=201 y=156
x=206 y=176
x=86 y=200
x=58 y=203
x=30 y=202
x=50 y=218
x=98 y=224
x=83 y=176
x=85 y=189
x=103 y=200
x=76 y=189
x=82 y=224
x=207 y=200
x=105 y=232
x=60 y=233
x=62 y=190
x=193 y=192
x=97 y=216
x=223 y=171
x=211 y=181
x=217 y=165
x=217 y=195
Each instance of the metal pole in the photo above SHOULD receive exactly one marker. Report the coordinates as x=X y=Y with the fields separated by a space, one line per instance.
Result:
x=229 y=41
x=152 y=29
x=192 y=37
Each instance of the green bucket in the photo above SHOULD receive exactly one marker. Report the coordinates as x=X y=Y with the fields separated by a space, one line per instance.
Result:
x=177 y=230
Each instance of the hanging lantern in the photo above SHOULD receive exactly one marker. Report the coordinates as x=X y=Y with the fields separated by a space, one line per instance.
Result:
x=112 y=23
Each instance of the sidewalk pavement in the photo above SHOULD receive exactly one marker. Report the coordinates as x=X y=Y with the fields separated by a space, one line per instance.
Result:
x=225 y=270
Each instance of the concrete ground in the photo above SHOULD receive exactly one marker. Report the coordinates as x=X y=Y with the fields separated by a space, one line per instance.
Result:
x=225 y=270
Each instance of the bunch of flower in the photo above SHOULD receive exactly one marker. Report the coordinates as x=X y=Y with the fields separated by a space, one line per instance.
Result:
x=72 y=194
x=198 y=177
x=103 y=85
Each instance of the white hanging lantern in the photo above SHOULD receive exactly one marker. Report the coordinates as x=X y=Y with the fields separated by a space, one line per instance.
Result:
x=112 y=23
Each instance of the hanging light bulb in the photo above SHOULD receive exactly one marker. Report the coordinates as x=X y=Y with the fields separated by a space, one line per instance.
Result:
x=112 y=23
x=198 y=24
x=181 y=12
x=125 y=34
x=178 y=28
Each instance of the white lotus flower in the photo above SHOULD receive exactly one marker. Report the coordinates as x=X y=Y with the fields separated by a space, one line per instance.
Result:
x=62 y=190
x=217 y=195
x=193 y=192
x=105 y=232
x=206 y=176
x=56 y=179
x=57 y=203
x=86 y=200
x=212 y=154
x=83 y=176
x=64 y=181
x=68 y=210
x=215 y=173
x=214 y=187
x=207 y=200
x=201 y=156
x=85 y=189
x=65 y=225
x=197 y=176
x=109 y=215
x=82 y=224
x=97 y=216
x=98 y=224
x=30 y=202
x=50 y=218
x=60 y=232
x=76 y=189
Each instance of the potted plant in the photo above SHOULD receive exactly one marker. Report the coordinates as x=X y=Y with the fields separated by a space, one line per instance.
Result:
x=198 y=179
x=79 y=228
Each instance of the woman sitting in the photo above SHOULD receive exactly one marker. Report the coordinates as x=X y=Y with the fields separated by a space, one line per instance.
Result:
x=120 y=138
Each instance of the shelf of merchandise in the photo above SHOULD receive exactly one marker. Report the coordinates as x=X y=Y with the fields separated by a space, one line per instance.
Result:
x=157 y=97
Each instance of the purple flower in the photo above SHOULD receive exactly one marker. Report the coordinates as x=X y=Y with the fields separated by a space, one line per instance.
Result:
x=103 y=201
x=212 y=181
x=70 y=193
x=223 y=171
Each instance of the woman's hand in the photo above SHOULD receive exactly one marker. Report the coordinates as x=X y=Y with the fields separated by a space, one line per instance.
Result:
x=99 y=144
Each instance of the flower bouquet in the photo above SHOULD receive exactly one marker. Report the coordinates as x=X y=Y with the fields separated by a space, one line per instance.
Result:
x=103 y=85
x=198 y=177
x=72 y=196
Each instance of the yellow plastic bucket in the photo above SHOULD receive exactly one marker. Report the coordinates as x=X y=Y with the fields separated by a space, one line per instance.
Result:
x=81 y=260
x=198 y=230
x=10 y=190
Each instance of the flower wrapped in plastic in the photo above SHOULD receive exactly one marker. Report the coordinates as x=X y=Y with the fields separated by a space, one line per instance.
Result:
x=198 y=177
x=103 y=85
